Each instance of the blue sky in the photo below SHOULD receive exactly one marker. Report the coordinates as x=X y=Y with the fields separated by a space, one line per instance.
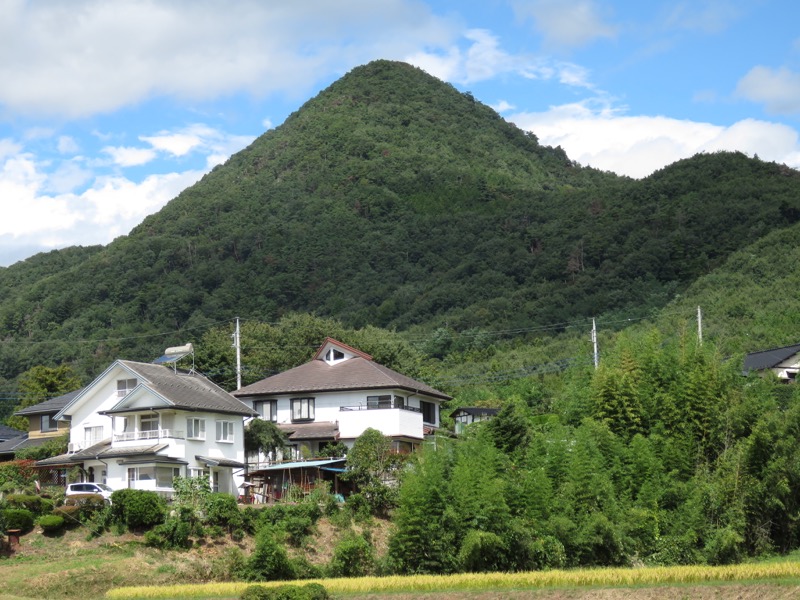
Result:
x=109 y=109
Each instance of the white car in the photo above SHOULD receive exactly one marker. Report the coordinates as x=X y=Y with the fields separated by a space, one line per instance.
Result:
x=100 y=489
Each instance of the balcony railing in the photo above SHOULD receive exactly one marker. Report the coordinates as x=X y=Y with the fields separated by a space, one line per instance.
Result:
x=155 y=434
x=381 y=406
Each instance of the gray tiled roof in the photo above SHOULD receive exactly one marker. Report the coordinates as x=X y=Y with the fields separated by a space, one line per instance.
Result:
x=322 y=430
x=476 y=411
x=19 y=442
x=220 y=462
x=49 y=406
x=102 y=451
x=6 y=432
x=188 y=391
x=766 y=359
x=352 y=374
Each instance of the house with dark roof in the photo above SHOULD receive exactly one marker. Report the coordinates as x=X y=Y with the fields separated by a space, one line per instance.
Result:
x=784 y=362
x=340 y=393
x=139 y=425
x=471 y=414
x=42 y=426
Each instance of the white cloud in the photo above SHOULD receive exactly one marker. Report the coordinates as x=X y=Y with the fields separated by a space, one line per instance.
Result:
x=484 y=60
x=502 y=106
x=604 y=138
x=778 y=90
x=67 y=145
x=84 y=57
x=130 y=157
x=37 y=220
x=565 y=23
x=707 y=16
x=177 y=144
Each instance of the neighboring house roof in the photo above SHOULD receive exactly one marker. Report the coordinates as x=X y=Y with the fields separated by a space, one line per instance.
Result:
x=53 y=405
x=19 y=442
x=177 y=389
x=309 y=464
x=103 y=451
x=210 y=461
x=475 y=411
x=357 y=373
x=767 y=359
x=7 y=433
x=322 y=430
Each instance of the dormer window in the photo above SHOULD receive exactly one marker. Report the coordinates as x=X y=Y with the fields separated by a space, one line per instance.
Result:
x=124 y=386
x=333 y=356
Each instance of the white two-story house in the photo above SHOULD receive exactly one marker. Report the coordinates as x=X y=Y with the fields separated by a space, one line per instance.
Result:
x=340 y=393
x=139 y=425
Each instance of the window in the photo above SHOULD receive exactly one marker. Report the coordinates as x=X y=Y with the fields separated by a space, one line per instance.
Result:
x=333 y=355
x=124 y=386
x=268 y=409
x=399 y=402
x=302 y=409
x=92 y=435
x=196 y=429
x=148 y=423
x=47 y=424
x=428 y=412
x=195 y=472
x=165 y=475
x=379 y=401
x=225 y=431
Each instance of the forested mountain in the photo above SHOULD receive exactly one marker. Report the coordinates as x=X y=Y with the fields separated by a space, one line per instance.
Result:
x=392 y=199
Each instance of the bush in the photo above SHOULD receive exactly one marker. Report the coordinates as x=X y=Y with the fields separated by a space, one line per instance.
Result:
x=51 y=524
x=35 y=504
x=70 y=514
x=269 y=561
x=482 y=552
x=173 y=534
x=353 y=556
x=18 y=518
x=359 y=507
x=298 y=527
x=221 y=509
x=88 y=505
x=310 y=591
x=138 y=509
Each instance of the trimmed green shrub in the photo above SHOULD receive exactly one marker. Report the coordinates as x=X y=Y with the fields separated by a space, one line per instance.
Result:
x=70 y=514
x=310 y=591
x=138 y=509
x=173 y=534
x=353 y=556
x=51 y=524
x=88 y=504
x=35 y=504
x=18 y=518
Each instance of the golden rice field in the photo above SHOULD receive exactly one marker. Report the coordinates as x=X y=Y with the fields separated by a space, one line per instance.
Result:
x=493 y=581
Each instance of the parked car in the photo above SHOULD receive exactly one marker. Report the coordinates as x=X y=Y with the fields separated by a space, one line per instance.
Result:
x=100 y=489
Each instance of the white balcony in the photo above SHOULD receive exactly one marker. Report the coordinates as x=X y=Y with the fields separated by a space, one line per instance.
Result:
x=155 y=434
x=392 y=422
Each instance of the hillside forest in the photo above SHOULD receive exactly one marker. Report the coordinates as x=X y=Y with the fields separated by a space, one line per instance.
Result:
x=408 y=220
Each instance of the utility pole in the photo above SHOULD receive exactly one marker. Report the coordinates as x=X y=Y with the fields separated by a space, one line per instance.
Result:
x=699 y=325
x=594 y=345
x=238 y=347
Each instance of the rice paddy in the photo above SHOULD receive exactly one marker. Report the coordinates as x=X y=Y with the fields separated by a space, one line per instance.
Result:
x=621 y=577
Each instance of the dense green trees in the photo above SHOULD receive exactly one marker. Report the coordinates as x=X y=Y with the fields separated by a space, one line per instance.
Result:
x=672 y=457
